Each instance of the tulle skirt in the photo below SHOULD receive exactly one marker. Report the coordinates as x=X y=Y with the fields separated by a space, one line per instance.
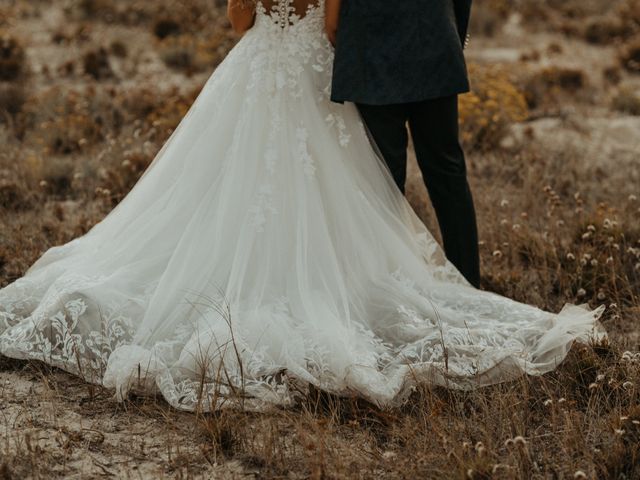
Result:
x=267 y=248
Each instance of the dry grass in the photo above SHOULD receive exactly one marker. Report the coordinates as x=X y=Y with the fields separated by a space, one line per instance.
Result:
x=84 y=119
x=627 y=101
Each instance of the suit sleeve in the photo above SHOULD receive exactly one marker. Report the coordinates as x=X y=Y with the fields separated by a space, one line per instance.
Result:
x=463 y=14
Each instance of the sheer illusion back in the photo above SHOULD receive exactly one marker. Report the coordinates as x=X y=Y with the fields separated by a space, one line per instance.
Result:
x=288 y=12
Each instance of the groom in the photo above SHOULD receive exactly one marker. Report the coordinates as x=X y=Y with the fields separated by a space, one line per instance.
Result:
x=402 y=63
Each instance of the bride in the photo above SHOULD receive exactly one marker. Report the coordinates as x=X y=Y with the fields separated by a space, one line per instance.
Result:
x=267 y=248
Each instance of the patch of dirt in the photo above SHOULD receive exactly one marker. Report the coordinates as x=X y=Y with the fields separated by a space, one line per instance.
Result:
x=56 y=426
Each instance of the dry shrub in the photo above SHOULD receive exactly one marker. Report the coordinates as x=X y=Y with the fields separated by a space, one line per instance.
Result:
x=622 y=458
x=577 y=8
x=12 y=58
x=180 y=56
x=161 y=111
x=630 y=10
x=530 y=56
x=555 y=48
x=606 y=29
x=501 y=7
x=542 y=12
x=118 y=49
x=12 y=98
x=96 y=63
x=493 y=104
x=547 y=85
x=6 y=13
x=65 y=121
x=191 y=54
x=172 y=109
x=597 y=21
x=118 y=131
x=621 y=22
x=57 y=177
x=61 y=37
x=627 y=101
x=630 y=56
x=19 y=190
x=612 y=74
x=141 y=102
x=117 y=180
x=195 y=15
x=13 y=197
x=489 y=16
x=13 y=77
x=486 y=20
x=165 y=27
x=110 y=11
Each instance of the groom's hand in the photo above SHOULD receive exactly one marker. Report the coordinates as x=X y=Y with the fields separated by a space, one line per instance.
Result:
x=332 y=19
x=332 y=33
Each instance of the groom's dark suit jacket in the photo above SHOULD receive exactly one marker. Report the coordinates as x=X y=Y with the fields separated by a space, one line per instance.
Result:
x=400 y=51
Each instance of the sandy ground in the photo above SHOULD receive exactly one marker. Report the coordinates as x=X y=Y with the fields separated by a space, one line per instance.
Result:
x=54 y=425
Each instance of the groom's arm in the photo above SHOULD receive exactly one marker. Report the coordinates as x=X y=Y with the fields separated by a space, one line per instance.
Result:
x=463 y=14
x=332 y=19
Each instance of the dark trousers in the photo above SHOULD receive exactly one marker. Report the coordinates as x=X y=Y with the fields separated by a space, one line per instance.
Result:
x=434 y=129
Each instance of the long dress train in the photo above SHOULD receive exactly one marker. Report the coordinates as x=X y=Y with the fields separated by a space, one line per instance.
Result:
x=267 y=248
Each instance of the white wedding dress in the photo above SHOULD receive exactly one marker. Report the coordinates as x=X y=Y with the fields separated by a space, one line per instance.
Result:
x=267 y=248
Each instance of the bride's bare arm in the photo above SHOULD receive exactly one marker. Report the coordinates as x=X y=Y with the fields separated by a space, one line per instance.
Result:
x=241 y=14
x=332 y=18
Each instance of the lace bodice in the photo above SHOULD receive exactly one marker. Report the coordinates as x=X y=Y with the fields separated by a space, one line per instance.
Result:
x=286 y=13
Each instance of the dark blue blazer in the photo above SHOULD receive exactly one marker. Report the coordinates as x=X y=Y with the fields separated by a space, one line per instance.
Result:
x=402 y=51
